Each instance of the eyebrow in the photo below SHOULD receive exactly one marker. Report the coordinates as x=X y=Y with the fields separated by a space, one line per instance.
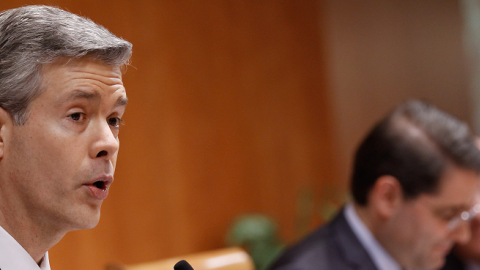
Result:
x=121 y=101
x=455 y=208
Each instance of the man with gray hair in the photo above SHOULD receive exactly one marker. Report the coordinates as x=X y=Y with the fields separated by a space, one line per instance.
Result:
x=61 y=104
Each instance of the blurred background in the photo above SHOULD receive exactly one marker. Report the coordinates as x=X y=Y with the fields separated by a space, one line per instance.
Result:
x=255 y=107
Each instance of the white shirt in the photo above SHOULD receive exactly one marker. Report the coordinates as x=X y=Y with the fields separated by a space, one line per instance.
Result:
x=380 y=257
x=14 y=257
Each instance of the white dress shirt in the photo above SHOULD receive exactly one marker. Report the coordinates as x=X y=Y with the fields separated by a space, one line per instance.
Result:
x=14 y=257
x=380 y=257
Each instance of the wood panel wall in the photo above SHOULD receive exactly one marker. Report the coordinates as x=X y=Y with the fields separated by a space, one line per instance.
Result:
x=227 y=114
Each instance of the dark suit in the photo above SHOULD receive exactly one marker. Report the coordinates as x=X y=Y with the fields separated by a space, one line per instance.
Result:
x=453 y=263
x=332 y=247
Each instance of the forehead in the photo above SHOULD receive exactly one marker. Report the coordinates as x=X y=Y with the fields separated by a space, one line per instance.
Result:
x=84 y=72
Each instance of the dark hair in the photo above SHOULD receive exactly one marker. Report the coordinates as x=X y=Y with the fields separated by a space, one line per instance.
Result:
x=415 y=143
x=33 y=36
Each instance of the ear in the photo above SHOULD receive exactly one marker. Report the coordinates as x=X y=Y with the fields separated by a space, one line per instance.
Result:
x=385 y=196
x=6 y=123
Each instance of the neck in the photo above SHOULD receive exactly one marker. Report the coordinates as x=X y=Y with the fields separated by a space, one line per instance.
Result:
x=34 y=238
x=367 y=217
x=385 y=230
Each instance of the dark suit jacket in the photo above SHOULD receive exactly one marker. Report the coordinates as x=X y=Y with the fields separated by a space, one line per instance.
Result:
x=453 y=263
x=331 y=247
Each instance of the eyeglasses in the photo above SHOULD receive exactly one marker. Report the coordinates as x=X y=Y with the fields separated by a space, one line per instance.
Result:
x=464 y=216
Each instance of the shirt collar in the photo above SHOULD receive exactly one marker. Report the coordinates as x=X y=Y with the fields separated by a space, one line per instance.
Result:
x=14 y=256
x=380 y=257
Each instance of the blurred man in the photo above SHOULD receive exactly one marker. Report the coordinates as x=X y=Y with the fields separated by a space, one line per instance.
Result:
x=61 y=104
x=413 y=184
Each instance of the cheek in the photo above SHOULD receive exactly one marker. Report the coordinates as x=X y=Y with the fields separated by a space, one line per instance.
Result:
x=114 y=160
x=406 y=229
x=433 y=231
x=425 y=231
x=46 y=152
x=475 y=238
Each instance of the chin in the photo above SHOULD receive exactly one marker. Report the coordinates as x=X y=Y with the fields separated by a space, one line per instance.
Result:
x=86 y=225
x=92 y=222
x=87 y=221
x=90 y=226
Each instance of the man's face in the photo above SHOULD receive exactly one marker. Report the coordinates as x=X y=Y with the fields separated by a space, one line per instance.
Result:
x=420 y=236
x=470 y=251
x=57 y=167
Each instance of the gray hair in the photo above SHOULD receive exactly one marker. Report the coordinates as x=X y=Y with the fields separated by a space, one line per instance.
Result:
x=33 y=36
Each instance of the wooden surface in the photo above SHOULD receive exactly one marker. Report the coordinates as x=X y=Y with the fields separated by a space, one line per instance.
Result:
x=232 y=258
x=227 y=115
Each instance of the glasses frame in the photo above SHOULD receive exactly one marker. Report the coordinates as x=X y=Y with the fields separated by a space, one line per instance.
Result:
x=464 y=216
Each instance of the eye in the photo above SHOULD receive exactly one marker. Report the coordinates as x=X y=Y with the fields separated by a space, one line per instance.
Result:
x=448 y=215
x=115 y=122
x=77 y=116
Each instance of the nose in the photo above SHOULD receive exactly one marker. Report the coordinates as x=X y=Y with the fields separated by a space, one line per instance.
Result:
x=462 y=233
x=104 y=142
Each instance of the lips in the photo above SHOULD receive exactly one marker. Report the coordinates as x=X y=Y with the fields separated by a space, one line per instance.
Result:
x=99 y=187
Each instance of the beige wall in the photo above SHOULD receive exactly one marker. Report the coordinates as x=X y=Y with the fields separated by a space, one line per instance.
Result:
x=380 y=53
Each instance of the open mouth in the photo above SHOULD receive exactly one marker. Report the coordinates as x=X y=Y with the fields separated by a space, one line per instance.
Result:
x=100 y=185
x=99 y=188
